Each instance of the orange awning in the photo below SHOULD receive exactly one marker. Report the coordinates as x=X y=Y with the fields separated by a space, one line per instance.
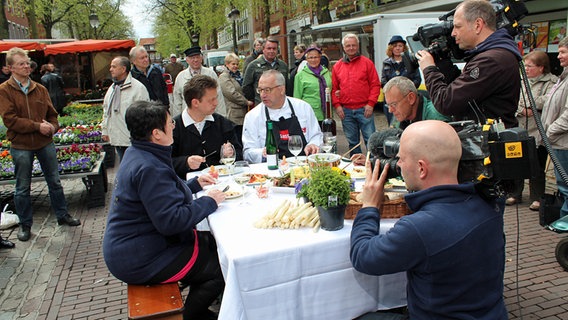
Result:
x=7 y=45
x=88 y=46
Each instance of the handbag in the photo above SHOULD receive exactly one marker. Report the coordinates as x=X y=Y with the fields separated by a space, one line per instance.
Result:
x=8 y=219
x=549 y=210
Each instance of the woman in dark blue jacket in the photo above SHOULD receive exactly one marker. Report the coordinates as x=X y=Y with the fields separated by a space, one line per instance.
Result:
x=151 y=236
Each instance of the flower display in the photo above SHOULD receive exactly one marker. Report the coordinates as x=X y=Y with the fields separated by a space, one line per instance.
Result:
x=78 y=134
x=74 y=158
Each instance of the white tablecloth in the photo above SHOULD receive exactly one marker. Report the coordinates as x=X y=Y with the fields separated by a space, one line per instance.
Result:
x=293 y=274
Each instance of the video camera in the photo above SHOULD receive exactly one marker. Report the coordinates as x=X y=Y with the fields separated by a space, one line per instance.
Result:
x=490 y=154
x=437 y=37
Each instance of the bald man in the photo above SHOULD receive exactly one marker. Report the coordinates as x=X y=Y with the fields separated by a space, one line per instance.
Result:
x=452 y=247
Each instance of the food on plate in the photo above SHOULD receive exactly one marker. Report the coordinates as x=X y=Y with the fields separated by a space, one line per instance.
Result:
x=298 y=173
x=257 y=178
x=394 y=183
x=232 y=194
x=290 y=215
x=358 y=172
x=213 y=172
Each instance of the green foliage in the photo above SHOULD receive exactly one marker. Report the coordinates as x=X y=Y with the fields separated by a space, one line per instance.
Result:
x=81 y=114
x=324 y=182
x=71 y=17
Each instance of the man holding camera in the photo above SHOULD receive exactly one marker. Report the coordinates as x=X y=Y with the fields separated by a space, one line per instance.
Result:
x=489 y=84
x=454 y=274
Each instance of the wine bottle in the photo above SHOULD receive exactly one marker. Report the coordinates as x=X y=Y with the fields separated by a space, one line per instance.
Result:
x=271 y=149
x=328 y=124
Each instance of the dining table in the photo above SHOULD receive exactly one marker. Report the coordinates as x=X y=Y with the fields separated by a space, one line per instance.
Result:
x=300 y=273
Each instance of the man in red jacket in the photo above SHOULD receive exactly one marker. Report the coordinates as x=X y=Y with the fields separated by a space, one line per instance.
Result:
x=356 y=87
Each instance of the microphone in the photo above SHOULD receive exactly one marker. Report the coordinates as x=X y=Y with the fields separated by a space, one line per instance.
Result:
x=377 y=141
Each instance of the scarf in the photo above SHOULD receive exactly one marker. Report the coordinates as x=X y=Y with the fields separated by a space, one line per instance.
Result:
x=237 y=76
x=115 y=95
x=322 y=84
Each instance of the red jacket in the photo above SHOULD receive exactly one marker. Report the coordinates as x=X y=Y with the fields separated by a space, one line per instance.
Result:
x=358 y=82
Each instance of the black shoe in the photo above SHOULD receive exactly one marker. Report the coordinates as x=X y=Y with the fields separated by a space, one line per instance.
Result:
x=68 y=220
x=6 y=244
x=24 y=233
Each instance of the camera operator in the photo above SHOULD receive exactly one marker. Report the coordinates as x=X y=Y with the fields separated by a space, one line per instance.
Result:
x=454 y=274
x=407 y=106
x=490 y=78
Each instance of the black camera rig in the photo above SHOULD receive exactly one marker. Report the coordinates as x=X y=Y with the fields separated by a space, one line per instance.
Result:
x=491 y=155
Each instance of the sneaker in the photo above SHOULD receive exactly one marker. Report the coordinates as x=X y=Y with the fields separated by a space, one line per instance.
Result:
x=511 y=201
x=535 y=206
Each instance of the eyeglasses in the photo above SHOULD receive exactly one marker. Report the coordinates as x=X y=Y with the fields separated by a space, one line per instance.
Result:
x=395 y=104
x=266 y=90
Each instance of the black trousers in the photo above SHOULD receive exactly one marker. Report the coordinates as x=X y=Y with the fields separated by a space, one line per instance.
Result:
x=205 y=278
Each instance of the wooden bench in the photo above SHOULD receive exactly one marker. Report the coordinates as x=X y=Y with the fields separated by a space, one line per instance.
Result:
x=159 y=301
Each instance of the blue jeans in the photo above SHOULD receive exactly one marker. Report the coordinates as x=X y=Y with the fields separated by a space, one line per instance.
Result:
x=354 y=122
x=23 y=161
x=562 y=156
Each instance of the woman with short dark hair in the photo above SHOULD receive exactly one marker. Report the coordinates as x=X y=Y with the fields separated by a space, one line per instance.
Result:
x=151 y=236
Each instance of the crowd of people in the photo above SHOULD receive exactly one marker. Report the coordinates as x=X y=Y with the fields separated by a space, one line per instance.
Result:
x=160 y=139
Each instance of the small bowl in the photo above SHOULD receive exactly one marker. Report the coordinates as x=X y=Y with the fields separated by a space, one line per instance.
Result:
x=319 y=159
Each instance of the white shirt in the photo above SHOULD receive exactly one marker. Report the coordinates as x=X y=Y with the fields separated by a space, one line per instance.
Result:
x=188 y=120
x=254 y=126
x=178 y=105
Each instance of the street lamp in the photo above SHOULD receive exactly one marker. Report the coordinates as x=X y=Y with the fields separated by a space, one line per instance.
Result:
x=234 y=15
x=195 y=39
x=94 y=21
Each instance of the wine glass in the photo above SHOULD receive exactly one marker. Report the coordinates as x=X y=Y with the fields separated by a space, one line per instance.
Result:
x=295 y=146
x=228 y=155
x=328 y=142
x=242 y=169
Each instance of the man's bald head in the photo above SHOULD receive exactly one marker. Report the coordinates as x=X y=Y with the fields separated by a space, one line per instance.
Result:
x=430 y=151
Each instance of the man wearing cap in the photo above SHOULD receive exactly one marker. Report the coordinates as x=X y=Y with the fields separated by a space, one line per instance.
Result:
x=393 y=66
x=174 y=67
x=265 y=62
x=194 y=59
x=357 y=81
x=149 y=74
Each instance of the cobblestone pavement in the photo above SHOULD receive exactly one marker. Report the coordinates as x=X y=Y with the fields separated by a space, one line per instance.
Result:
x=60 y=273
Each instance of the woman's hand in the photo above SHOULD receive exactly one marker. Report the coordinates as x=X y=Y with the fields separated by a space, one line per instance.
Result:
x=217 y=195
x=206 y=179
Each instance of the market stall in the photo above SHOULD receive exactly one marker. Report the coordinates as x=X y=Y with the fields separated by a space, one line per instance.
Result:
x=84 y=64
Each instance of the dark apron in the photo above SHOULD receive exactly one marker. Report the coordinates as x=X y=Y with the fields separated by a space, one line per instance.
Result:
x=283 y=128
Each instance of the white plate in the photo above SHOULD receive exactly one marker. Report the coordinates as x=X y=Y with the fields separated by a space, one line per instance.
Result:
x=233 y=194
x=289 y=190
x=300 y=160
x=357 y=172
x=257 y=183
x=223 y=170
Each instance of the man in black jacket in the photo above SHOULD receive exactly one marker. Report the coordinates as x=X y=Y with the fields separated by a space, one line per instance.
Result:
x=149 y=74
x=490 y=79
x=199 y=131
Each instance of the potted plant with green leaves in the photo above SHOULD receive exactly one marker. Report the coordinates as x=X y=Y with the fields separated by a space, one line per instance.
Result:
x=328 y=188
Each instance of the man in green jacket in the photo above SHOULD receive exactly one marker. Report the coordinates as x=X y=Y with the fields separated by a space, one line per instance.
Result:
x=407 y=105
x=31 y=120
